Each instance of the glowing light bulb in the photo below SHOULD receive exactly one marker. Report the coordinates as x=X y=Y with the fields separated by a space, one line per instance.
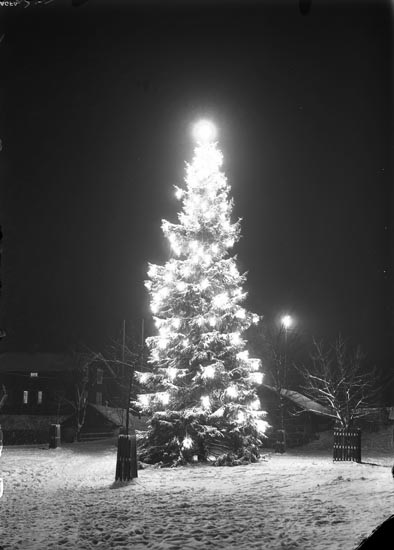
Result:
x=148 y=285
x=254 y=364
x=152 y=271
x=187 y=443
x=257 y=377
x=194 y=245
x=163 y=343
x=243 y=355
x=144 y=377
x=261 y=426
x=176 y=322
x=220 y=301
x=232 y=391
x=205 y=401
x=164 y=397
x=172 y=372
x=144 y=400
x=163 y=292
x=204 y=284
x=181 y=286
x=204 y=131
x=255 y=404
x=209 y=372
x=179 y=193
x=235 y=338
x=233 y=270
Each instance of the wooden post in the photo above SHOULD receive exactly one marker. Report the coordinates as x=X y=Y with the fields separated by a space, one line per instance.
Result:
x=126 y=462
x=54 y=436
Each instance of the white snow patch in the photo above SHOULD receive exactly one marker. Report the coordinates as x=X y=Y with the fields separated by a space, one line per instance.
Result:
x=66 y=498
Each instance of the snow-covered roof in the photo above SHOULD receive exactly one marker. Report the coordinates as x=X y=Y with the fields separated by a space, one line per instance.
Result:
x=305 y=402
x=35 y=362
x=302 y=401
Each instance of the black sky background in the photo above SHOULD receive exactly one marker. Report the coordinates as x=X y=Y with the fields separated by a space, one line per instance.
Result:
x=96 y=117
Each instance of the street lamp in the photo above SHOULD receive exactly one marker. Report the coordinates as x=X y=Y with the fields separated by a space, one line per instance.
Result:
x=286 y=322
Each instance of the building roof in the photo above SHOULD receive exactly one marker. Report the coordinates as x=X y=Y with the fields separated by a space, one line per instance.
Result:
x=306 y=403
x=36 y=362
x=114 y=415
x=302 y=401
x=118 y=417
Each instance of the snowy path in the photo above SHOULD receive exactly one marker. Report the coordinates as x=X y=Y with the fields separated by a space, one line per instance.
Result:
x=66 y=499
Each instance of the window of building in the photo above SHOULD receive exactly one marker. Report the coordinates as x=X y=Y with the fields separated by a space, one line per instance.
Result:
x=99 y=376
x=33 y=374
x=39 y=397
x=25 y=397
x=99 y=398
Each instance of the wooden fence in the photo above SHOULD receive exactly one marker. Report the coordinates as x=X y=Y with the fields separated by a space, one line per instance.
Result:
x=347 y=444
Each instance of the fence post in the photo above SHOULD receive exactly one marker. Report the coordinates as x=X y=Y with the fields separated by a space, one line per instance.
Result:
x=54 y=436
x=126 y=461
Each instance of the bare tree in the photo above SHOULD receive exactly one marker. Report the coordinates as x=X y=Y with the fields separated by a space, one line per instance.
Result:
x=125 y=355
x=77 y=397
x=337 y=378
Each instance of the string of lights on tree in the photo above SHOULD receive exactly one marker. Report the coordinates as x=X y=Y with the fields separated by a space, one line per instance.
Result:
x=201 y=392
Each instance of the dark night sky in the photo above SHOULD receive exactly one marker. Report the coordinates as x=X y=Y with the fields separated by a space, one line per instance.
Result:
x=98 y=104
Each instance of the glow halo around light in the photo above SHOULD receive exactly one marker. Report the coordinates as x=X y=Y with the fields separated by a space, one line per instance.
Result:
x=204 y=131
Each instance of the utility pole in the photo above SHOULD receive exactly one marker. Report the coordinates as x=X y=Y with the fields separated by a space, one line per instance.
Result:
x=132 y=373
x=126 y=462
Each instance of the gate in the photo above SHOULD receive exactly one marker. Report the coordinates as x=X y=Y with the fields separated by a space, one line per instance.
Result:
x=347 y=444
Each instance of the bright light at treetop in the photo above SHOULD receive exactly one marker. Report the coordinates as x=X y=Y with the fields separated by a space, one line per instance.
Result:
x=204 y=131
x=203 y=381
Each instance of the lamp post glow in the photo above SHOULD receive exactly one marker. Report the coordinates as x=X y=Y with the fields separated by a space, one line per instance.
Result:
x=287 y=321
x=204 y=131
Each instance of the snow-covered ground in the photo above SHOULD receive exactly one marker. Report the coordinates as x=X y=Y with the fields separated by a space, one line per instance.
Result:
x=66 y=498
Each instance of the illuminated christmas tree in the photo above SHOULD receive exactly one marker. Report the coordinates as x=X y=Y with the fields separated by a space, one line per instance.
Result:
x=201 y=393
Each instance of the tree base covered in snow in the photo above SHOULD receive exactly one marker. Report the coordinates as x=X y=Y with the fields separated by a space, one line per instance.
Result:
x=208 y=443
